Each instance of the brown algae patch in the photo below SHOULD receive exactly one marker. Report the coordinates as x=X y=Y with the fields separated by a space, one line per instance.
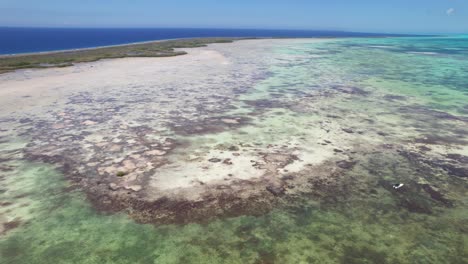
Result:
x=7 y=226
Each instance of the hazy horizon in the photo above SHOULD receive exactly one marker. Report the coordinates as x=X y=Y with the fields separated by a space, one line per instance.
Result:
x=244 y=28
x=416 y=17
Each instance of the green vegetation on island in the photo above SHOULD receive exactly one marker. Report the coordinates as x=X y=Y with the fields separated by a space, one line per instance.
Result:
x=69 y=57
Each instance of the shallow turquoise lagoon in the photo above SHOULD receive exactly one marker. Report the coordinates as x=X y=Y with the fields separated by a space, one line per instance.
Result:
x=409 y=88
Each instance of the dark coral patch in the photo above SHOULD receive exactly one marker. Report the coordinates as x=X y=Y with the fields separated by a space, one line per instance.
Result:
x=392 y=97
x=209 y=125
x=8 y=226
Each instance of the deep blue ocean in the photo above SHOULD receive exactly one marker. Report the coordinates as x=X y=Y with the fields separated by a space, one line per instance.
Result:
x=24 y=40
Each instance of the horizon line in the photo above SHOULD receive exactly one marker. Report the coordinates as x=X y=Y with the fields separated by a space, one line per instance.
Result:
x=237 y=28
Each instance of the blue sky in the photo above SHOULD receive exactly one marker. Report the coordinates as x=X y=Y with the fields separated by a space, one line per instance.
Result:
x=404 y=16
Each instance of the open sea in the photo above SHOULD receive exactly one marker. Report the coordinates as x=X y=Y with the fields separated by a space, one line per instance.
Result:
x=26 y=40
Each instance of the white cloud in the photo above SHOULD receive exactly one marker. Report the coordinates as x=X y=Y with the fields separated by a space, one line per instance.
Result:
x=450 y=11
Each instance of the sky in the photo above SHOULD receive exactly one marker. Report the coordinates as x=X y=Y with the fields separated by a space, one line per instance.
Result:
x=382 y=16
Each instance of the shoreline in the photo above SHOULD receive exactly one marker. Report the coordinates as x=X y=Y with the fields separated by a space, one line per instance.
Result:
x=52 y=59
x=152 y=48
x=148 y=49
x=110 y=46
x=181 y=39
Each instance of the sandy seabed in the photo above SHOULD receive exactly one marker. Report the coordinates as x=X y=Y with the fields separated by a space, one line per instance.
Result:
x=230 y=130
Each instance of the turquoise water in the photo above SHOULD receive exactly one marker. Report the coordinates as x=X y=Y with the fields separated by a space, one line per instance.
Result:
x=358 y=219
